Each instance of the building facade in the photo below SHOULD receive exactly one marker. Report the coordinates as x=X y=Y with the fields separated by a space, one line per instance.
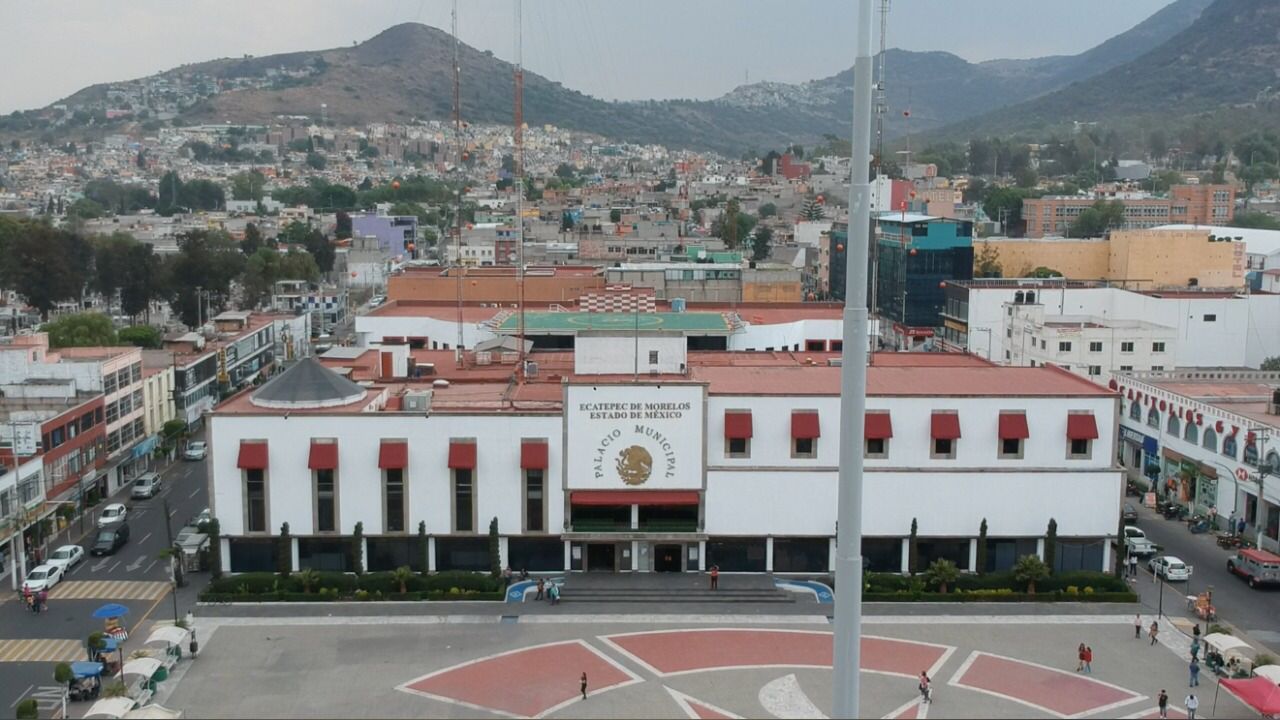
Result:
x=1090 y=346
x=1186 y=204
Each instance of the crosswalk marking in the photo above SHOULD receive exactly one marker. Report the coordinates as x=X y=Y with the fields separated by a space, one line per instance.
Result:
x=109 y=590
x=41 y=650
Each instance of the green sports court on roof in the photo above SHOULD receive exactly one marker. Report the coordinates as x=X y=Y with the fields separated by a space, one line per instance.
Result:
x=705 y=323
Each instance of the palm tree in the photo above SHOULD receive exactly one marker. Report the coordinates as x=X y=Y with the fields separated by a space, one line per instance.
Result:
x=308 y=578
x=942 y=572
x=402 y=575
x=1030 y=569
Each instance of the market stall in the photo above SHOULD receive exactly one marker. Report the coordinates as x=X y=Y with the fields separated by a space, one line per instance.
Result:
x=1228 y=655
x=113 y=707
x=1259 y=693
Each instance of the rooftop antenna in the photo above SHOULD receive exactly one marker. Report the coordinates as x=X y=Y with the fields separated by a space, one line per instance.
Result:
x=519 y=181
x=457 y=214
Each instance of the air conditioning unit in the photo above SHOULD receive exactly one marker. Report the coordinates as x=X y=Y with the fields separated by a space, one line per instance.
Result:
x=416 y=402
x=484 y=357
x=530 y=369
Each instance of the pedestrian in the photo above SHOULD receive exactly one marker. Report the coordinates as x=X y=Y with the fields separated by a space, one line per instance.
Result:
x=1240 y=524
x=1088 y=660
x=926 y=691
x=1133 y=565
x=524 y=574
x=1163 y=703
x=1195 y=631
x=1137 y=627
x=715 y=577
x=554 y=594
x=542 y=586
x=506 y=576
x=31 y=602
x=42 y=600
x=1155 y=630
x=1231 y=524
x=1080 y=658
x=26 y=595
x=1194 y=667
x=584 y=686
x=1195 y=649
x=1192 y=703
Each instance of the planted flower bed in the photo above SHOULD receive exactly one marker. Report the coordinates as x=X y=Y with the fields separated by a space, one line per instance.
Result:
x=997 y=587
x=311 y=586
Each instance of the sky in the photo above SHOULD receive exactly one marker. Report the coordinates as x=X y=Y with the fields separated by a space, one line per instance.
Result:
x=612 y=49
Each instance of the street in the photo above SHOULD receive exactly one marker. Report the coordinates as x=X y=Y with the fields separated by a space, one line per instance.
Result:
x=1256 y=612
x=136 y=576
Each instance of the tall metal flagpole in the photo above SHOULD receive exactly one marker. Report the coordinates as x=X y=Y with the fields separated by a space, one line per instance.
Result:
x=846 y=683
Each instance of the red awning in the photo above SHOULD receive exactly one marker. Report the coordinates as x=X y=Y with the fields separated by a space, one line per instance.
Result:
x=1257 y=692
x=462 y=456
x=944 y=426
x=1013 y=426
x=1081 y=426
x=533 y=455
x=878 y=426
x=804 y=424
x=253 y=456
x=737 y=424
x=634 y=497
x=393 y=455
x=324 y=456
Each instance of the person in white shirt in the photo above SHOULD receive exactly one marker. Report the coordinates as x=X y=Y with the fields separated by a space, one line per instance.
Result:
x=1191 y=703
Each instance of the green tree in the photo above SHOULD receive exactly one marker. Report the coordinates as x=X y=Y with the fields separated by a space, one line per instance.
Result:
x=343 y=225
x=941 y=572
x=913 y=548
x=986 y=264
x=62 y=673
x=143 y=336
x=28 y=709
x=46 y=265
x=1004 y=204
x=423 y=546
x=215 y=548
x=295 y=233
x=321 y=249
x=1045 y=272
x=266 y=267
x=401 y=576
x=982 y=548
x=316 y=161
x=248 y=185
x=110 y=261
x=1030 y=569
x=284 y=551
x=208 y=260
x=495 y=550
x=88 y=329
x=309 y=579
x=767 y=210
x=142 y=280
x=615 y=215
x=1094 y=221
x=761 y=243
x=1165 y=179
x=565 y=171
x=252 y=239
x=86 y=209
x=1051 y=544
x=1271 y=364
x=1256 y=220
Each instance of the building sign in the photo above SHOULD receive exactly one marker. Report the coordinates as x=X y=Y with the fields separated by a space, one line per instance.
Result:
x=25 y=438
x=634 y=436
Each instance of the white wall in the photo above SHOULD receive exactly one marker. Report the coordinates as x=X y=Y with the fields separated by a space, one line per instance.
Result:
x=370 y=329
x=601 y=355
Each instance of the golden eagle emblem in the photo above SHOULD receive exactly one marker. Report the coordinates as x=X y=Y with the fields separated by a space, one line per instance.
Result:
x=634 y=465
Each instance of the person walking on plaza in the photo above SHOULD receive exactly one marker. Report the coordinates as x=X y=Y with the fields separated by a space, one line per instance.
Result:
x=1155 y=631
x=925 y=687
x=1080 y=658
x=1192 y=704
x=1194 y=668
x=1133 y=565
x=1163 y=703
x=1088 y=660
x=1195 y=649
x=554 y=594
x=42 y=600
x=542 y=587
x=1137 y=627
x=715 y=577
x=584 y=686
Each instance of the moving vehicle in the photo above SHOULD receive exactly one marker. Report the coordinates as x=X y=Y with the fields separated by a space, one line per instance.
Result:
x=66 y=557
x=1258 y=567
x=196 y=450
x=377 y=300
x=1169 y=567
x=203 y=516
x=146 y=486
x=112 y=514
x=110 y=539
x=1129 y=514
x=1136 y=542
x=43 y=577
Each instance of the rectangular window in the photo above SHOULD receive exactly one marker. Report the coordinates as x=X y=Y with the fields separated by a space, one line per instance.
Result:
x=943 y=449
x=1157 y=368
x=533 y=500
x=1124 y=368
x=255 y=486
x=804 y=448
x=1064 y=347
x=1095 y=347
x=394 y=494
x=1126 y=347
x=326 y=502
x=876 y=448
x=1011 y=448
x=135 y=372
x=463 y=500
x=1210 y=317
x=1095 y=370
x=1080 y=449
x=1157 y=347
x=738 y=448
x=653 y=357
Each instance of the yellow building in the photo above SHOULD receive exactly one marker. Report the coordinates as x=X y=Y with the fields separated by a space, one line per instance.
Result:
x=1144 y=259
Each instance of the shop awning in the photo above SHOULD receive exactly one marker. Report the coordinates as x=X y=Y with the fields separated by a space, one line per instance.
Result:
x=253 y=455
x=1013 y=426
x=462 y=455
x=944 y=426
x=1082 y=426
x=324 y=455
x=393 y=455
x=879 y=426
x=804 y=424
x=1208 y=471
x=1171 y=455
x=737 y=424
x=634 y=497
x=1259 y=693
x=533 y=455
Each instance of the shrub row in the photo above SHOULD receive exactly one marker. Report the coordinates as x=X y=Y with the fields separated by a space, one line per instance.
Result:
x=328 y=596
x=1100 y=582
x=248 y=586
x=998 y=596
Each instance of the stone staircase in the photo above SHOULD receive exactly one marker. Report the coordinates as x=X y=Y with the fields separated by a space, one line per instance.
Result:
x=672 y=588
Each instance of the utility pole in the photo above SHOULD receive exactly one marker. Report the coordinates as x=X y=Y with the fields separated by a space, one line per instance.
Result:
x=175 y=567
x=519 y=185
x=457 y=220
x=846 y=683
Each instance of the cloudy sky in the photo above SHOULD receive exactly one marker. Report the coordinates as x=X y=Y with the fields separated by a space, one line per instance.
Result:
x=616 y=49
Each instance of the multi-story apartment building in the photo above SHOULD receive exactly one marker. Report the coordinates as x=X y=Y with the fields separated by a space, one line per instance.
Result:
x=1189 y=204
x=1090 y=346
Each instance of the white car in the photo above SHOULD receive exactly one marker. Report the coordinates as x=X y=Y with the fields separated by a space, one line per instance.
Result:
x=112 y=514
x=43 y=577
x=66 y=557
x=196 y=450
x=1170 y=568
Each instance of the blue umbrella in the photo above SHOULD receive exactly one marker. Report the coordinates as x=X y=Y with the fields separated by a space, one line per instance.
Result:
x=83 y=669
x=109 y=644
x=111 y=610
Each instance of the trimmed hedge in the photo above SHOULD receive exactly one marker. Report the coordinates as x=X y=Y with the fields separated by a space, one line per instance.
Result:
x=1001 y=586
x=269 y=587
x=908 y=596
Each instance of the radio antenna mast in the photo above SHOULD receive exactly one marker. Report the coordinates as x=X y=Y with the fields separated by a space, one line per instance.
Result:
x=519 y=182
x=457 y=212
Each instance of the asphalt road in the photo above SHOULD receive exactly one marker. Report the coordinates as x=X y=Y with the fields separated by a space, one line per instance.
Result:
x=135 y=577
x=1256 y=612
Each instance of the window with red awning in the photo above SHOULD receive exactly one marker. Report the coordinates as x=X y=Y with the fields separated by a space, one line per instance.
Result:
x=462 y=455
x=634 y=497
x=1013 y=426
x=324 y=455
x=804 y=425
x=253 y=455
x=393 y=455
x=533 y=455
x=878 y=426
x=944 y=426
x=737 y=424
x=1082 y=426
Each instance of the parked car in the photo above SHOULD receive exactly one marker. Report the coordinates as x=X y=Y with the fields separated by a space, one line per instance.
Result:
x=110 y=539
x=1169 y=567
x=377 y=300
x=203 y=516
x=196 y=450
x=43 y=577
x=1134 y=532
x=66 y=557
x=1130 y=513
x=1258 y=567
x=112 y=514
x=146 y=486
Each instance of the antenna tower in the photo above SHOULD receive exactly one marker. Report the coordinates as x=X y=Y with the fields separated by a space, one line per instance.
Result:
x=519 y=182
x=457 y=212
